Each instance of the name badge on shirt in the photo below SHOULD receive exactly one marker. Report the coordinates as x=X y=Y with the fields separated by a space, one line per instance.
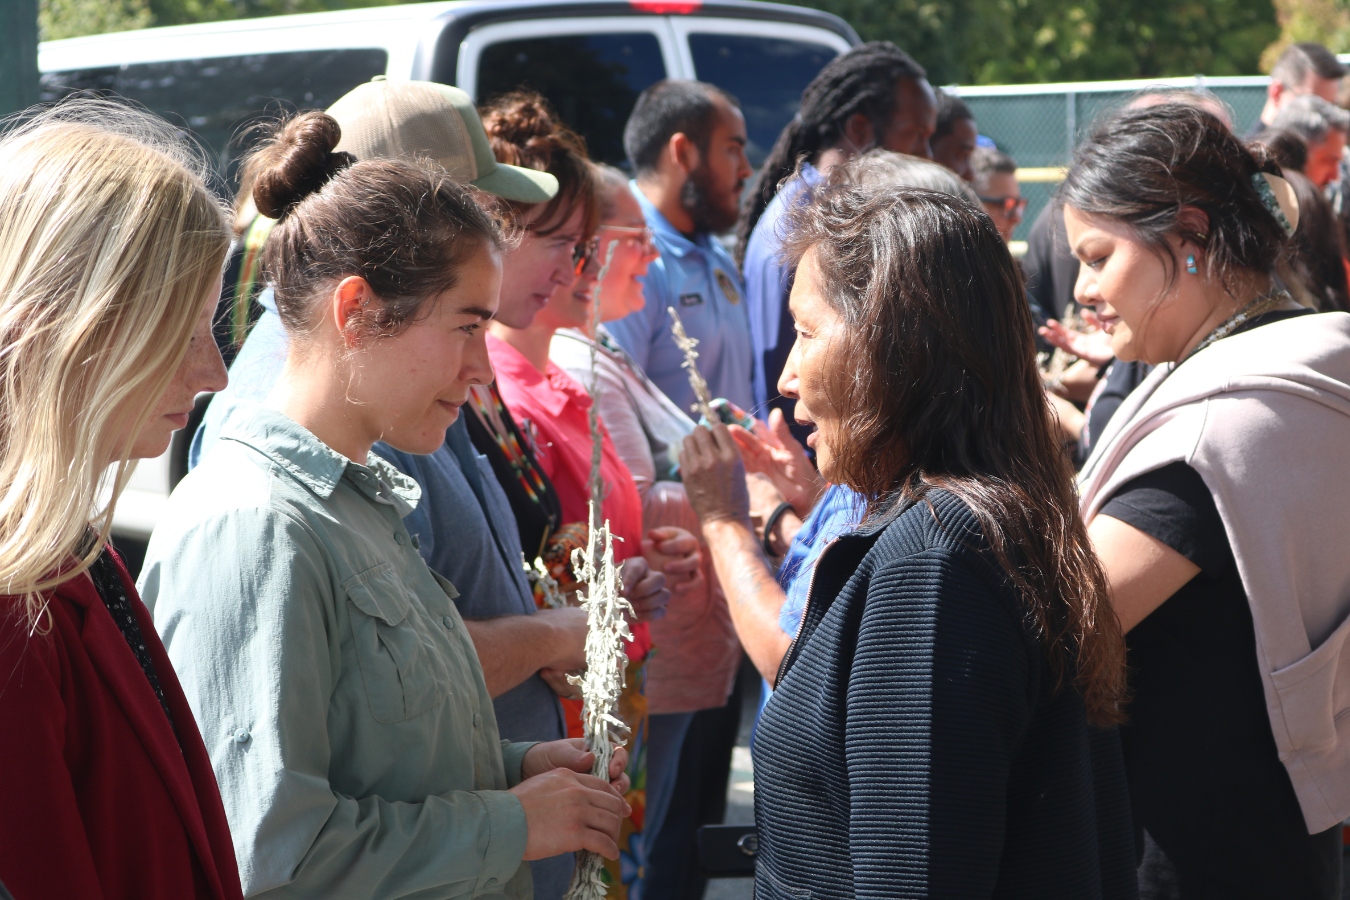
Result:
x=694 y=299
x=728 y=287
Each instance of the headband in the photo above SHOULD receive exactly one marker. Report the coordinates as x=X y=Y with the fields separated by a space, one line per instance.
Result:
x=1278 y=196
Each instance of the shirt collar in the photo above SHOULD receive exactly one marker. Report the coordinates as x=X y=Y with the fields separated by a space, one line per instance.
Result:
x=312 y=462
x=670 y=238
x=552 y=389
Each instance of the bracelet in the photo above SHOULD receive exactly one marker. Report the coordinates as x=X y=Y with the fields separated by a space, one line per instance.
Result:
x=772 y=521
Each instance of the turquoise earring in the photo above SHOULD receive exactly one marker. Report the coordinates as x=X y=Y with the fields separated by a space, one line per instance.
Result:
x=1190 y=264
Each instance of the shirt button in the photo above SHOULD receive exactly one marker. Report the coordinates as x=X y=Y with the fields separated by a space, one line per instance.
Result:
x=477 y=720
x=399 y=538
x=491 y=882
x=447 y=622
x=242 y=736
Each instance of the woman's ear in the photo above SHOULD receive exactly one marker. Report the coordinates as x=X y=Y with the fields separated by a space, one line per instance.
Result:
x=349 y=307
x=1193 y=225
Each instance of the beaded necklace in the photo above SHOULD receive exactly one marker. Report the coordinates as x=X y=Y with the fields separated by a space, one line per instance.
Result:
x=1270 y=300
x=491 y=411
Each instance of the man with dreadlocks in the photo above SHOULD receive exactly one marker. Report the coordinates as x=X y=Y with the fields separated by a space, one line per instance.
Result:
x=873 y=96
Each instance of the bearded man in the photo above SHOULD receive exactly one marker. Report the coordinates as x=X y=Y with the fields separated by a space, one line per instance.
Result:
x=686 y=142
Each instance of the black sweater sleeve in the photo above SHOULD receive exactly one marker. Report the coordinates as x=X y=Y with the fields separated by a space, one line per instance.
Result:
x=931 y=733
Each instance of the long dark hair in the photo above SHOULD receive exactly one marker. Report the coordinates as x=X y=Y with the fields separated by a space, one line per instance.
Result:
x=1316 y=257
x=1142 y=166
x=861 y=81
x=938 y=388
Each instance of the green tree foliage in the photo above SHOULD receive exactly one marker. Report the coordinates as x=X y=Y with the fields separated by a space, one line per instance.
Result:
x=1324 y=21
x=72 y=18
x=1014 y=41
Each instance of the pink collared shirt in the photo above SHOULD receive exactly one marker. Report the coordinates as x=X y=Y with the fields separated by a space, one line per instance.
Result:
x=554 y=408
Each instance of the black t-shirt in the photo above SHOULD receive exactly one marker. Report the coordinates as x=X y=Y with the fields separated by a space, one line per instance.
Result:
x=1120 y=379
x=1215 y=814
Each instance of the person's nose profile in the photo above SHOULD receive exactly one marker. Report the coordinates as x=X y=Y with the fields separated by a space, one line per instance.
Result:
x=787 y=381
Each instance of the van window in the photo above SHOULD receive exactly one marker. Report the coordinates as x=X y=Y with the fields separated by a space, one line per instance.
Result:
x=591 y=80
x=217 y=97
x=767 y=75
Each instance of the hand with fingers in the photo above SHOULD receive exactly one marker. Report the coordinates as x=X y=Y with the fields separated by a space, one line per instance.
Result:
x=569 y=648
x=566 y=808
x=770 y=449
x=714 y=475
x=645 y=589
x=557 y=680
x=674 y=553
x=1093 y=346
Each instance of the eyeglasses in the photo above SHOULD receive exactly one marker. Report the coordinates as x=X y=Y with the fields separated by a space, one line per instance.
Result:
x=643 y=234
x=583 y=254
x=1011 y=205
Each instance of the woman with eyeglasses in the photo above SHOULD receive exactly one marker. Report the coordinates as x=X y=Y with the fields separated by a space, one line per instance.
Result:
x=552 y=409
x=996 y=183
x=697 y=650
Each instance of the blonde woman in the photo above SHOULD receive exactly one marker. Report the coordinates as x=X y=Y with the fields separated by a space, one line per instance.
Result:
x=111 y=251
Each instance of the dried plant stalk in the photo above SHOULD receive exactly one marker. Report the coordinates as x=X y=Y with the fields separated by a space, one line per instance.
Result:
x=607 y=626
x=603 y=682
x=703 y=404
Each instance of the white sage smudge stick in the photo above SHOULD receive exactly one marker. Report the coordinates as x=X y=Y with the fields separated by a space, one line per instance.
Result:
x=603 y=681
x=607 y=630
x=703 y=403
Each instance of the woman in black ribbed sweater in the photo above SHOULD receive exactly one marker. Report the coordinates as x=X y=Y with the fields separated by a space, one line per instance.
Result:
x=929 y=734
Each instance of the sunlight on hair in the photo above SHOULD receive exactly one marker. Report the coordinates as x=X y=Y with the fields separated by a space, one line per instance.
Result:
x=110 y=241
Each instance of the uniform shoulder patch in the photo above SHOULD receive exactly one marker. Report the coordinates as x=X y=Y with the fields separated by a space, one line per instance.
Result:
x=728 y=287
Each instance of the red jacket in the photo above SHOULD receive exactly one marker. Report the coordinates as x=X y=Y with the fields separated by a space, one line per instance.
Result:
x=99 y=800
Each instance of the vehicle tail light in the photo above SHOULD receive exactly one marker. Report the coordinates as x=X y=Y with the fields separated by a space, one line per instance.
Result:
x=667 y=7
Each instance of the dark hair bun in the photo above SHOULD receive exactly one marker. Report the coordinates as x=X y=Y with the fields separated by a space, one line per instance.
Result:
x=297 y=161
x=524 y=131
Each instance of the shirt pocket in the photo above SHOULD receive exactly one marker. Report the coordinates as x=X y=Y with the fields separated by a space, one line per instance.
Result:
x=402 y=666
x=1314 y=693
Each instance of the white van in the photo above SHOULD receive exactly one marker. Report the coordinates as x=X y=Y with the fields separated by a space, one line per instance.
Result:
x=591 y=59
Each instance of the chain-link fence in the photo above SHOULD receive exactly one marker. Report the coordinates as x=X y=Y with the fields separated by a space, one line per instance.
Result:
x=1038 y=125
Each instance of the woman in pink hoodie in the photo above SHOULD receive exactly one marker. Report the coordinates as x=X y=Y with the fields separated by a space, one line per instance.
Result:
x=1217 y=501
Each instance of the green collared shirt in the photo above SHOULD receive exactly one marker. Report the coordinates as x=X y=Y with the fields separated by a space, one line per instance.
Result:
x=333 y=680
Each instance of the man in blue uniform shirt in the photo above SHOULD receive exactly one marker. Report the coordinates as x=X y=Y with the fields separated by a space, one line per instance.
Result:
x=686 y=141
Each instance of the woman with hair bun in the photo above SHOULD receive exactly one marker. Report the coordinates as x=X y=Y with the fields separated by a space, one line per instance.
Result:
x=1217 y=502
x=111 y=250
x=349 y=722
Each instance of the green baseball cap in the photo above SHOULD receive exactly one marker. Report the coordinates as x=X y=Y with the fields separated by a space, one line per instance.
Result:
x=384 y=119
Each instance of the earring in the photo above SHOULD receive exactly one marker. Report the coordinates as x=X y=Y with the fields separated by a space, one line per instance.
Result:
x=1190 y=264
